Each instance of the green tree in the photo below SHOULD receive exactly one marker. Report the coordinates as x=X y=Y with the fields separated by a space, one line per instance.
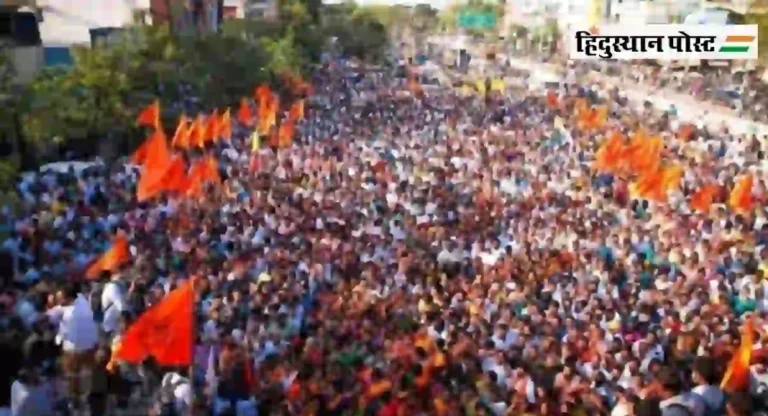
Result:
x=424 y=18
x=757 y=14
x=9 y=165
x=358 y=32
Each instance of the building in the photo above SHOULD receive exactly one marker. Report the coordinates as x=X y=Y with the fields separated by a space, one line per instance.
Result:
x=233 y=9
x=651 y=12
x=186 y=17
x=738 y=6
x=262 y=9
x=69 y=22
x=20 y=37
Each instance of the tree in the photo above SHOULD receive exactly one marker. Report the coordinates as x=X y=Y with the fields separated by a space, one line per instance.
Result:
x=757 y=14
x=424 y=18
x=97 y=99
x=358 y=32
x=9 y=165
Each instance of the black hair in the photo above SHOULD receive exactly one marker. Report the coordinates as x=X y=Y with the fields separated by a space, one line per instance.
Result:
x=705 y=367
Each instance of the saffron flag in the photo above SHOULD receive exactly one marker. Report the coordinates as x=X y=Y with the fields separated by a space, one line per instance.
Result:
x=649 y=185
x=703 y=198
x=736 y=377
x=164 y=331
x=175 y=178
x=225 y=125
x=140 y=155
x=268 y=114
x=212 y=169
x=552 y=99
x=197 y=132
x=171 y=178
x=196 y=179
x=150 y=115
x=181 y=136
x=157 y=161
x=285 y=134
x=152 y=150
x=643 y=154
x=740 y=199
x=685 y=132
x=671 y=177
x=202 y=171
x=608 y=156
x=262 y=93
x=111 y=259
x=244 y=115
x=212 y=127
x=297 y=110
x=593 y=118
x=581 y=107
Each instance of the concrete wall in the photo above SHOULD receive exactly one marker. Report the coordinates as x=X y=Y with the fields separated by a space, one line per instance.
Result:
x=67 y=22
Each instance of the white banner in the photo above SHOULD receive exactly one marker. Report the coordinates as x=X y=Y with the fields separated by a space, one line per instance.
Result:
x=669 y=42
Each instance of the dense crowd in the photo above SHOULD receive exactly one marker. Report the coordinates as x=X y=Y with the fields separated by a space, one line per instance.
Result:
x=433 y=255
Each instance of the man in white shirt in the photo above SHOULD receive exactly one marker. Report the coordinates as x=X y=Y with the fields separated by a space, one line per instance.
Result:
x=112 y=304
x=78 y=336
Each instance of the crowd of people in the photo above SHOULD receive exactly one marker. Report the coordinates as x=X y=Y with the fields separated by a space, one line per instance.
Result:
x=405 y=256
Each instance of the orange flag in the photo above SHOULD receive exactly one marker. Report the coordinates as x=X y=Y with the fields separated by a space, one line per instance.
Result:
x=150 y=115
x=650 y=185
x=172 y=179
x=644 y=154
x=285 y=134
x=164 y=331
x=225 y=125
x=157 y=161
x=297 y=110
x=140 y=155
x=202 y=171
x=593 y=118
x=181 y=137
x=153 y=149
x=703 y=198
x=175 y=178
x=244 y=115
x=581 y=106
x=609 y=154
x=212 y=127
x=552 y=99
x=268 y=114
x=736 y=377
x=671 y=177
x=197 y=132
x=685 y=132
x=262 y=93
x=196 y=179
x=111 y=259
x=740 y=199
x=211 y=169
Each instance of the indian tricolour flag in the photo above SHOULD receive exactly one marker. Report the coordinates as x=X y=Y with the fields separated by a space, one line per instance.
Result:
x=737 y=44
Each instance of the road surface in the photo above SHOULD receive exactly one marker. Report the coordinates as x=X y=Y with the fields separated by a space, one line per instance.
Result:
x=688 y=109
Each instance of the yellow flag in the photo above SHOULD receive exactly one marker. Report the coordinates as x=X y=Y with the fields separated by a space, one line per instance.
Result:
x=480 y=86
x=255 y=141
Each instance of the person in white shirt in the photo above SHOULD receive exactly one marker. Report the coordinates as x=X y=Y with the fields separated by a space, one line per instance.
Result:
x=78 y=336
x=28 y=396
x=112 y=304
